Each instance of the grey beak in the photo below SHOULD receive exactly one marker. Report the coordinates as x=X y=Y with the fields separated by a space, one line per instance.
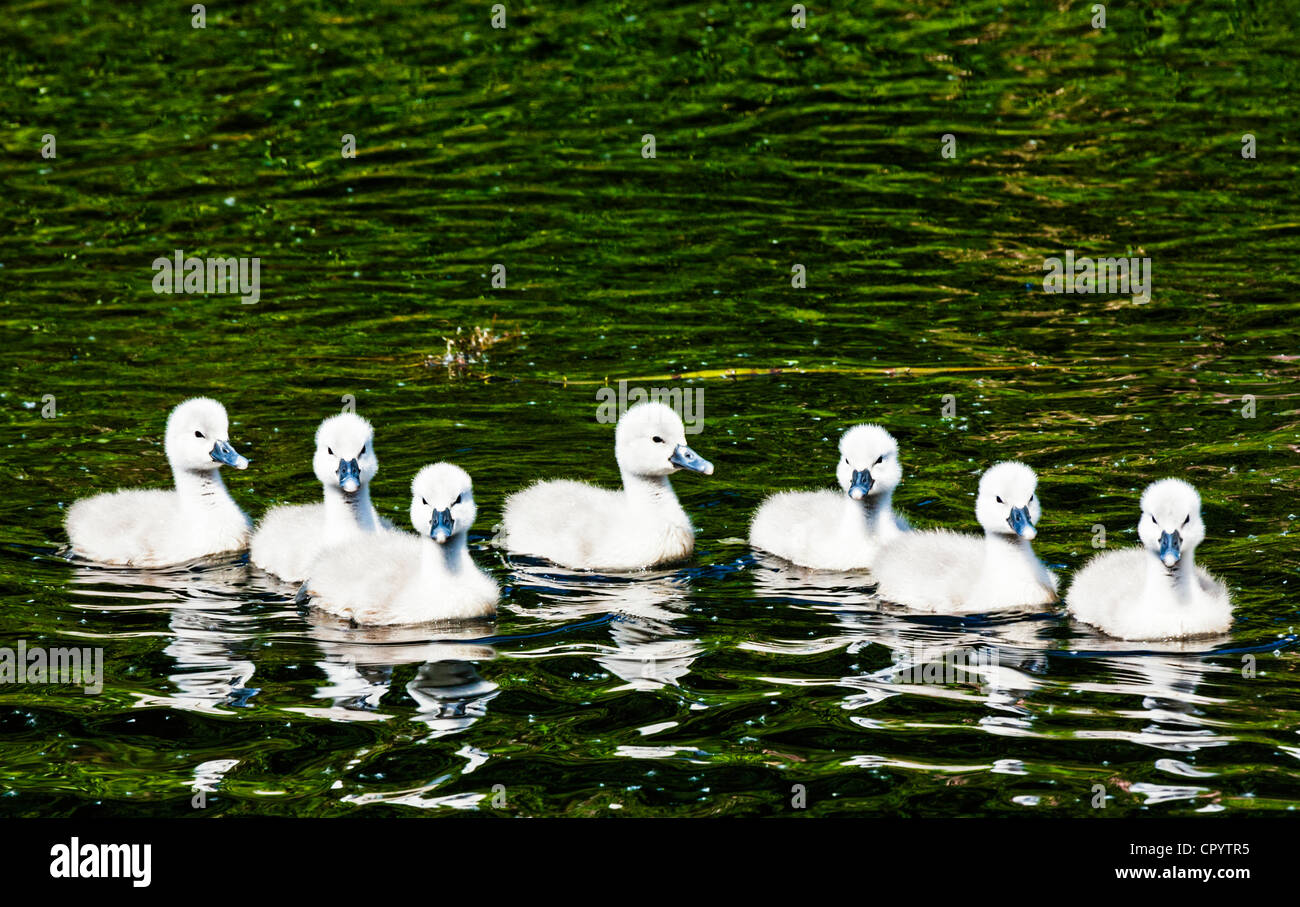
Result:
x=1171 y=544
x=442 y=526
x=1020 y=523
x=686 y=458
x=349 y=475
x=222 y=452
x=860 y=487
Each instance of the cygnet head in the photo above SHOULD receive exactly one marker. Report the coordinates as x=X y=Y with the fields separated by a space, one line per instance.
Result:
x=868 y=462
x=1170 y=525
x=1007 y=503
x=651 y=441
x=345 y=453
x=198 y=437
x=442 y=502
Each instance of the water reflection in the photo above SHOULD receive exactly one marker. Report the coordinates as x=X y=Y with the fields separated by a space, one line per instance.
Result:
x=779 y=580
x=212 y=649
x=216 y=637
x=649 y=650
x=210 y=633
x=961 y=658
x=1004 y=664
x=1166 y=680
x=359 y=664
x=218 y=609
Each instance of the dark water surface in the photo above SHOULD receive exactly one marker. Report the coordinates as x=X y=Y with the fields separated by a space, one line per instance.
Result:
x=717 y=687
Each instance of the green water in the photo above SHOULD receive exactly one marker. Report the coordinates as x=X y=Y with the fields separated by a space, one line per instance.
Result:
x=717 y=687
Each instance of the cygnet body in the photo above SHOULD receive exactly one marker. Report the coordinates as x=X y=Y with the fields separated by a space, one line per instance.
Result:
x=829 y=531
x=588 y=528
x=388 y=577
x=954 y=573
x=289 y=537
x=1155 y=591
x=156 y=527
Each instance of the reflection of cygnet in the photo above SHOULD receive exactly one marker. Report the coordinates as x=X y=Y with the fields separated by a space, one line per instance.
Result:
x=649 y=652
x=1160 y=677
x=209 y=643
x=650 y=655
x=209 y=630
x=830 y=531
x=777 y=578
x=359 y=664
x=1166 y=686
x=451 y=695
x=220 y=584
x=955 y=573
x=1155 y=591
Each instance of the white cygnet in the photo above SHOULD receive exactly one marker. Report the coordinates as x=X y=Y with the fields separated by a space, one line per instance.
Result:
x=1155 y=591
x=388 y=577
x=954 y=573
x=155 y=528
x=289 y=537
x=830 y=531
x=581 y=526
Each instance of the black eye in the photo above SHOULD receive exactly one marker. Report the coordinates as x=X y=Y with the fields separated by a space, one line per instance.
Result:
x=1000 y=501
x=458 y=500
x=363 y=451
x=198 y=434
x=330 y=451
x=657 y=439
x=424 y=502
x=1153 y=517
x=880 y=459
x=1188 y=520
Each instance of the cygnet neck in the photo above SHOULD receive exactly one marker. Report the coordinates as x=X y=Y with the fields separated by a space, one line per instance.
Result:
x=876 y=509
x=1180 y=578
x=200 y=489
x=650 y=491
x=345 y=510
x=995 y=540
x=439 y=562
